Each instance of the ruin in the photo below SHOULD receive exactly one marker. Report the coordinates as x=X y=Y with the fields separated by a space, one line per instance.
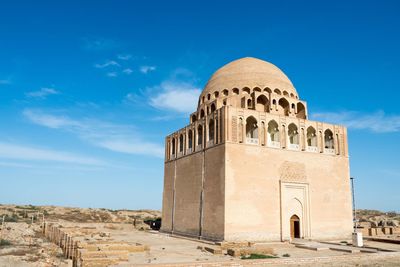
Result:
x=252 y=166
x=84 y=252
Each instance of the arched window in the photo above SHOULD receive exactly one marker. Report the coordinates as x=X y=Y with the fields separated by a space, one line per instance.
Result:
x=235 y=91
x=301 y=111
x=311 y=137
x=194 y=118
x=293 y=134
x=216 y=94
x=266 y=89
x=291 y=95
x=199 y=135
x=211 y=130
x=283 y=107
x=208 y=96
x=249 y=103
x=181 y=143
x=293 y=106
x=277 y=91
x=273 y=131
x=262 y=103
x=246 y=90
x=212 y=107
x=251 y=129
x=203 y=98
x=285 y=93
x=274 y=102
x=202 y=113
x=173 y=146
x=224 y=102
x=225 y=92
x=257 y=89
x=329 y=142
x=190 y=139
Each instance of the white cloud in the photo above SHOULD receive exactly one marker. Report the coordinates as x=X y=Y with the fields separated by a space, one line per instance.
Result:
x=5 y=81
x=107 y=64
x=127 y=71
x=124 y=56
x=147 y=69
x=132 y=147
x=377 y=122
x=99 y=44
x=51 y=121
x=22 y=152
x=114 y=137
x=42 y=93
x=176 y=96
x=112 y=74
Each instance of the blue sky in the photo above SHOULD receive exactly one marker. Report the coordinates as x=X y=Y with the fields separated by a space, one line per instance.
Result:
x=89 y=90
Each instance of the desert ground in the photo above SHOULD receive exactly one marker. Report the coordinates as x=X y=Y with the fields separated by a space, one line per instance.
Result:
x=61 y=236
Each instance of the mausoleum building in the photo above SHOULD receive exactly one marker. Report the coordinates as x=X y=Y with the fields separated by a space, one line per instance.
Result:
x=251 y=166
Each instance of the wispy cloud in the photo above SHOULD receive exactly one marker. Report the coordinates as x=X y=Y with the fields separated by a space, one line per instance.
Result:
x=51 y=121
x=42 y=93
x=107 y=64
x=5 y=81
x=127 y=71
x=112 y=74
x=114 y=137
x=147 y=69
x=124 y=56
x=99 y=44
x=176 y=96
x=22 y=152
x=377 y=122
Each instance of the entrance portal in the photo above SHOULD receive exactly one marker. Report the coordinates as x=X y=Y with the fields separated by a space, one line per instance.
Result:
x=294 y=227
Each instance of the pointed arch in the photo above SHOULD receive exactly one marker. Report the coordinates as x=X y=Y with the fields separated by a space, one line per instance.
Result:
x=328 y=138
x=283 y=107
x=190 y=139
x=181 y=144
x=301 y=111
x=202 y=113
x=262 y=103
x=249 y=103
x=293 y=134
x=268 y=90
x=251 y=127
x=173 y=146
x=211 y=130
x=194 y=118
x=311 y=137
x=273 y=133
x=213 y=107
x=200 y=135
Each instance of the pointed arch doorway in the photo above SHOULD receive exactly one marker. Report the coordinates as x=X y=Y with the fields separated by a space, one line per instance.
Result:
x=294 y=226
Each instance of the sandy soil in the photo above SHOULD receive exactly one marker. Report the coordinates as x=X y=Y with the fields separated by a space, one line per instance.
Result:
x=26 y=246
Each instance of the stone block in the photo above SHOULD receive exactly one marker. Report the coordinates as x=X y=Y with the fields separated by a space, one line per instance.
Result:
x=237 y=252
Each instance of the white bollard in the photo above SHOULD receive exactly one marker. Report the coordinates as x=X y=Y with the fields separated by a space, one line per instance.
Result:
x=357 y=239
